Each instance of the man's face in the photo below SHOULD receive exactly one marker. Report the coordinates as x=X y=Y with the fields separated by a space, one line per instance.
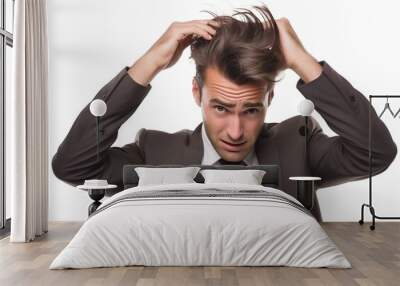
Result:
x=233 y=115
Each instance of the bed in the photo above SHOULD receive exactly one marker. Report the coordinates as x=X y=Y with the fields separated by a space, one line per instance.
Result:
x=201 y=223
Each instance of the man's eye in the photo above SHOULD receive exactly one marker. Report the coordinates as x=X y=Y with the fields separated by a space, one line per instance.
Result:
x=220 y=108
x=252 y=110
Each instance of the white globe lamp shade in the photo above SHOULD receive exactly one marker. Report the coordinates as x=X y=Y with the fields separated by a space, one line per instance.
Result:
x=98 y=107
x=305 y=107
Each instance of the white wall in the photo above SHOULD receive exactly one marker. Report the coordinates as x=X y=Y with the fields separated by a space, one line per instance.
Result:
x=91 y=41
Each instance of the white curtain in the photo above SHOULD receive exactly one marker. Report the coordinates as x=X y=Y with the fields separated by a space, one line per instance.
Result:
x=28 y=160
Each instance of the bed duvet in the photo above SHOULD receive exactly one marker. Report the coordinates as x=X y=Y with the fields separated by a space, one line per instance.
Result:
x=201 y=225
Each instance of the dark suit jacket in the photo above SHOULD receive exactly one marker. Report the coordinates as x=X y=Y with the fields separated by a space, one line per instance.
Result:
x=336 y=159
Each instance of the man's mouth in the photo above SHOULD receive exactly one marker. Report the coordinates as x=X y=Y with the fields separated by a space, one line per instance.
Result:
x=233 y=147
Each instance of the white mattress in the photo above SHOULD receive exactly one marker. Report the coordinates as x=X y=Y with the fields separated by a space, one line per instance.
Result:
x=190 y=230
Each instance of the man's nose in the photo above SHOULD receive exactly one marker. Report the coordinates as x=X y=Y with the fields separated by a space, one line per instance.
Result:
x=235 y=129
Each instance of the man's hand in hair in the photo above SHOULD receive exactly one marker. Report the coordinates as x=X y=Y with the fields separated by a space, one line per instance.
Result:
x=166 y=51
x=294 y=53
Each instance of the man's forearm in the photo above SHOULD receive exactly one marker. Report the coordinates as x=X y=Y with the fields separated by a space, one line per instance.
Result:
x=307 y=67
x=344 y=157
x=76 y=157
x=144 y=69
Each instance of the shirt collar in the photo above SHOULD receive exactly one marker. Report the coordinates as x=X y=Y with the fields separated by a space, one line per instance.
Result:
x=211 y=156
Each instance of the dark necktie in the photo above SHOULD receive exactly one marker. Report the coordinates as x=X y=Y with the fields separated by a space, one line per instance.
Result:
x=223 y=162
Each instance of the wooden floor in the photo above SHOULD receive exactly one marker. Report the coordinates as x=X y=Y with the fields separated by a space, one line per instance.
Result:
x=374 y=255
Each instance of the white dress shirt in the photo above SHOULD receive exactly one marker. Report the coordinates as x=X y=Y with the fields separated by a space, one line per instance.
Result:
x=211 y=156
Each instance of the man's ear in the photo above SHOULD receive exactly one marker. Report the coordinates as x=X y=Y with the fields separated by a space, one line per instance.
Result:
x=270 y=96
x=196 y=91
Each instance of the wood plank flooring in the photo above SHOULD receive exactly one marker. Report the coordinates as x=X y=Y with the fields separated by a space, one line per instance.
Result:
x=374 y=255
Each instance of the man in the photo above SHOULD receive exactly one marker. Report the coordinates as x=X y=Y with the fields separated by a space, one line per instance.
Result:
x=237 y=63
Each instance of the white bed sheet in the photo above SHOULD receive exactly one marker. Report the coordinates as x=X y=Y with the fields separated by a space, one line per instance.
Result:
x=189 y=231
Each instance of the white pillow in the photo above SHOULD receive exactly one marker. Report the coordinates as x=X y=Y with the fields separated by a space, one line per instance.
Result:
x=249 y=177
x=166 y=175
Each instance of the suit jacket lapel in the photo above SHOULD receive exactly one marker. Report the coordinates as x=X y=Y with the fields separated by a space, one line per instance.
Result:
x=194 y=151
x=266 y=147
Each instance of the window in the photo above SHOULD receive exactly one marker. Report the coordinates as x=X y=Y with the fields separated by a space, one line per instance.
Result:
x=6 y=44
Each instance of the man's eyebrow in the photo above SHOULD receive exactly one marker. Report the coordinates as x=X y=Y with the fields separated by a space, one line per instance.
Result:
x=216 y=100
x=247 y=104
x=253 y=104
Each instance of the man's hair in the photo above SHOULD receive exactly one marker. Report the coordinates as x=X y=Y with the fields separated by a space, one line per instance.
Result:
x=245 y=51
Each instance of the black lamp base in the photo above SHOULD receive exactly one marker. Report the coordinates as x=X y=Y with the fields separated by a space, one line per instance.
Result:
x=96 y=195
x=306 y=190
x=306 y=193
